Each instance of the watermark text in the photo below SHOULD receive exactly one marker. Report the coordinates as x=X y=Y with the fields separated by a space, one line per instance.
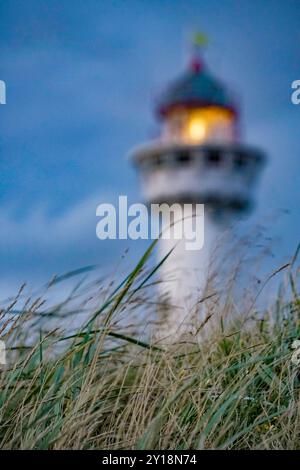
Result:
x=2 y=92
x=295 y=98
x=2 y=353
x=137 y=221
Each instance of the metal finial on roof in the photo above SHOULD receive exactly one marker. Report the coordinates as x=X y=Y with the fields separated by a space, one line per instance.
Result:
x=199 y=41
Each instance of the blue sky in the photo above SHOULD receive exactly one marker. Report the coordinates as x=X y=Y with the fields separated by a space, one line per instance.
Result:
x=81 y=76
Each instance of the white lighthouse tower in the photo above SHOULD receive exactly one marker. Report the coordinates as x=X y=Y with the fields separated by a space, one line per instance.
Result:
x=197 y=159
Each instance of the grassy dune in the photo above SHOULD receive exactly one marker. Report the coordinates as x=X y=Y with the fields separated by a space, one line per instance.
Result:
x=103 y=387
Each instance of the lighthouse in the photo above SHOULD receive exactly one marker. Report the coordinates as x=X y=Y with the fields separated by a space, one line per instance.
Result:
x=198 y=159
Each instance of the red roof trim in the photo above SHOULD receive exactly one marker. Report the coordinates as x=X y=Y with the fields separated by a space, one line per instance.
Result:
x=163 y=111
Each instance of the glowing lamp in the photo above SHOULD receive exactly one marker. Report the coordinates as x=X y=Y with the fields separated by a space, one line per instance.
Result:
x=199 y=125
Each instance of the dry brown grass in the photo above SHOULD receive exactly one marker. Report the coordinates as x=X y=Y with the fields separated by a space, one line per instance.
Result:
x=103 y=387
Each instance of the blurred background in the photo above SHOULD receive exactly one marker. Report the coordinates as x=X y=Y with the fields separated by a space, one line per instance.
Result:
x=81 y=77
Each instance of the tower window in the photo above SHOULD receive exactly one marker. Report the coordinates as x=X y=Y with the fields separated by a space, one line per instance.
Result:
x=183 y=157
x=239 y=161
x=213 y=157
x=158 y=161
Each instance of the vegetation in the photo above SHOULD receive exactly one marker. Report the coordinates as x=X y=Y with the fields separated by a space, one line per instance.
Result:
x=105 y=387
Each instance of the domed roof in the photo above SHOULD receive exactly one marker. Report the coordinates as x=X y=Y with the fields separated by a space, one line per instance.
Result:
x=195 y=88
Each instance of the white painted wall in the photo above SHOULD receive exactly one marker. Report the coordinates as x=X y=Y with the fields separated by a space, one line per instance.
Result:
x=183 y=280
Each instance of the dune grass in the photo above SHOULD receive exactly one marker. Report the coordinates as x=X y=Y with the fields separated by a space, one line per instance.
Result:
x=105 y=387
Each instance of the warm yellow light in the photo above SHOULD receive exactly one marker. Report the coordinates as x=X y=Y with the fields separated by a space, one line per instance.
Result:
x=196 y=129
x=207 y=124
x=199 y=125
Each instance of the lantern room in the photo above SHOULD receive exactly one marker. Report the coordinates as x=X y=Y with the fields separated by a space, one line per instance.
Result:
x=197 y=109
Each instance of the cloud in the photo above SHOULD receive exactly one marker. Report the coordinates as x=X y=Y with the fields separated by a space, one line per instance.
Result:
x=37 y=245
